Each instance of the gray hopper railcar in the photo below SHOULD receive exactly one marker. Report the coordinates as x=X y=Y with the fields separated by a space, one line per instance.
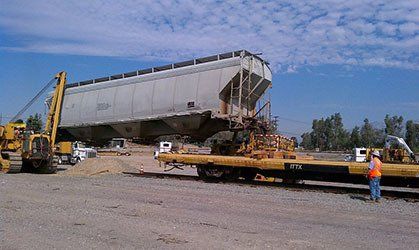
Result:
x=196 y=98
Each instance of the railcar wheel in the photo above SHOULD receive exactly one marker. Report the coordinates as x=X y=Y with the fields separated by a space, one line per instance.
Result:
x=201 y=172
x=248 y=174
x=206 y=172
x=231 y=173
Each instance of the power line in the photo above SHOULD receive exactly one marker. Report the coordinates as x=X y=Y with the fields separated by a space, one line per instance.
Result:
x=293 y=120
x=287 y=132
x=17 y=116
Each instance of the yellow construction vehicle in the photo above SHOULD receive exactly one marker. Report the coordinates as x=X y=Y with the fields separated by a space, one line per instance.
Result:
x=22 y=148
x=396 y=150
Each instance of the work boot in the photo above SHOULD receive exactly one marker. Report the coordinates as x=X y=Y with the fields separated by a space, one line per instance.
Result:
x=370 y=200
x=377 y=200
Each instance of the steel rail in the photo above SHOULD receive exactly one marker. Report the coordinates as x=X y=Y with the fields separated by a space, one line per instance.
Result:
x=353 y=191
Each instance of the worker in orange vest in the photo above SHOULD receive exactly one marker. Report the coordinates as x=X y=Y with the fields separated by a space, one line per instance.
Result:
x=374 y=176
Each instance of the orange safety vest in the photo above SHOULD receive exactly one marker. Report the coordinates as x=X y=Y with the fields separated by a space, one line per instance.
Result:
x=376 y=171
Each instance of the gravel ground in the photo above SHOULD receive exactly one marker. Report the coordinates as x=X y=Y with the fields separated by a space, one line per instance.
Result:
x=121 y=211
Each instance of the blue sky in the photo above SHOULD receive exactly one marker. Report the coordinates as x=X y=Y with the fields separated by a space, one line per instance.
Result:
x=359 y=58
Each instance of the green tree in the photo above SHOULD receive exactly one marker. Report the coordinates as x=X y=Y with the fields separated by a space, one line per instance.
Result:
x=355 y=138
x=327 y=134
x=394 y=125
x=318 y=134
x=339 y=137
x=34 y=122
x=412 y=135
x=307 y=142
x=370 y=136
x=367 y=134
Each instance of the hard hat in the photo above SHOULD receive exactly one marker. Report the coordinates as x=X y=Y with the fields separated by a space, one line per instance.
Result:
x=376 y=153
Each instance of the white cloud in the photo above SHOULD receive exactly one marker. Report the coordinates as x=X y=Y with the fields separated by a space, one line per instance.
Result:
x=291 y=69
x=409 y=29
x=290 y=34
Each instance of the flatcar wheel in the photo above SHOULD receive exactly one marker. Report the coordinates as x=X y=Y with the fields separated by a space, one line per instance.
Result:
x=231 y=174
x=201 y=172
x=248 y=174
x=206 y=172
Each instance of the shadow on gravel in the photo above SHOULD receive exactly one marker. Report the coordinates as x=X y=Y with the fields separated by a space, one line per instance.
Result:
x=358 y=197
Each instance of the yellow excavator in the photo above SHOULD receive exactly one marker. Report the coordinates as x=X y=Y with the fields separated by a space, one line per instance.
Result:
x=396 y=150
x=22 y=149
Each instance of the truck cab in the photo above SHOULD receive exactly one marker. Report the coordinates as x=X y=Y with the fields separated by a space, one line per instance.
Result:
x=74 y=152
x=164 y=147
x=360 y=154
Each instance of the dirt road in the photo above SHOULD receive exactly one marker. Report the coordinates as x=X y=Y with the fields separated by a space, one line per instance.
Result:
x=120 y=211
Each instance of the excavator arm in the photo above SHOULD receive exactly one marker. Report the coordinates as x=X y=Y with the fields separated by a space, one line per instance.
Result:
x=403 y=143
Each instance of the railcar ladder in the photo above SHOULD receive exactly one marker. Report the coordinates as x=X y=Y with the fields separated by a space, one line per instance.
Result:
x=241 y=93
x=237 y=94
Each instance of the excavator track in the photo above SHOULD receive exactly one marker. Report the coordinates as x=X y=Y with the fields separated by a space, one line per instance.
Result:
x=13 y=164
x=52 y=167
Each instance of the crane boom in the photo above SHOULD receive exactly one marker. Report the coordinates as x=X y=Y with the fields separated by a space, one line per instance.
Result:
x=53 y=117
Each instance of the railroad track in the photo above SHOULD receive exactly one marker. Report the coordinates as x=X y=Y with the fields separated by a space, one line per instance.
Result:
x=410 y=196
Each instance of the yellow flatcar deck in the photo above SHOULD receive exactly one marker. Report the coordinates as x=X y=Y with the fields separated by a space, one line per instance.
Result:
x=300 y=168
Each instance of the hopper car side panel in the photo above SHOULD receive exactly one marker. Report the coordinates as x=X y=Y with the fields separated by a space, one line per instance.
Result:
x=163 y=95
x=123 y=102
